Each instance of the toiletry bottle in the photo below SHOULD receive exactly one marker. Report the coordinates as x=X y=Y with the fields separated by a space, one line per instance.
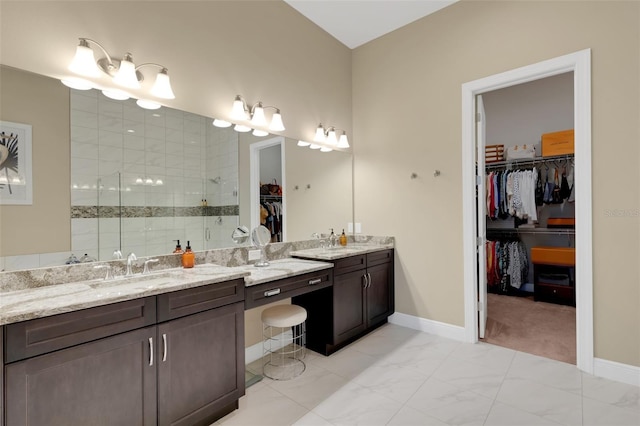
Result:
x=343 y=239
x=188 y=257
x=333 y=240
x=178 y=249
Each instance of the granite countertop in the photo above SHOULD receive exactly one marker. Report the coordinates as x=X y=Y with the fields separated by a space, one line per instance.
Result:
x=340 y=252
x=26 y=304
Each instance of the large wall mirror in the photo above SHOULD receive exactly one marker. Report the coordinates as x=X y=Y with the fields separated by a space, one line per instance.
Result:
x=134 y=180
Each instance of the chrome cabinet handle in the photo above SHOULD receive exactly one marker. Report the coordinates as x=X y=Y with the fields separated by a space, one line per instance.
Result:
x=272 y=292
x=150 y=351
x=315 y=281
x=369 y=275
x=366 y=282
x=164 y=345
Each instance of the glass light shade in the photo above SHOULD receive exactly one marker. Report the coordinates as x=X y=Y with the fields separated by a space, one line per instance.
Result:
x=343 y=142
x=148 y=181
x=325 y=149
x=303 y=143
x=139 y=181
x=258 y=132
x=116 y=94
x=126 y=74
x=77 y=83
x=84 y=63
x=319 y=136
x=242 y=129
x=162 y=87
x=159 y=182
x=331 y=138
x=221 y=123
x=258 y=116
x=237 y=111
x=276 y=122
x=314 y=146
x=143 y=103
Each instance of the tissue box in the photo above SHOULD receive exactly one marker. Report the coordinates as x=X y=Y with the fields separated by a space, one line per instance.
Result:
x=557 y=143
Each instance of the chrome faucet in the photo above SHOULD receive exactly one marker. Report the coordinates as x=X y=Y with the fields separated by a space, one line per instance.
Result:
x=130 y=259
x=108 y=276
x=146 y=265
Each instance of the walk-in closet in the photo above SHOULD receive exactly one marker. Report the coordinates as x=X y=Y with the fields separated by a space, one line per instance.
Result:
x=529 y=217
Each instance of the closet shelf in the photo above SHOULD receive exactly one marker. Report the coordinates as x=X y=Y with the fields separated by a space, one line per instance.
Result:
x=529 y=161
x=554 y=231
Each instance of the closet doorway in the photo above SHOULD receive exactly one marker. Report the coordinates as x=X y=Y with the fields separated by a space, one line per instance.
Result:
x=530 y=307
x=474 y=227
x=267 y=177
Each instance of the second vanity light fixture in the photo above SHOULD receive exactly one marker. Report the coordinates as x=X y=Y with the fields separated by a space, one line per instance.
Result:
x=123 y=71
x=240 y=111
x=328 y=139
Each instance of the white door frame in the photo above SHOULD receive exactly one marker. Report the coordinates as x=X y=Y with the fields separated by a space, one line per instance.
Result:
x=580 y=63
x=254 y=179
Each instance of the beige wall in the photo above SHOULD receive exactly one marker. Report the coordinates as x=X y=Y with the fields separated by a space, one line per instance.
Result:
x=214 y=50
x=43 y=103
x=407 y=118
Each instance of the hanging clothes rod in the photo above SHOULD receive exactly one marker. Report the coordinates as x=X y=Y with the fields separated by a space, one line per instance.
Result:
x=557 y=231
x=528 y=161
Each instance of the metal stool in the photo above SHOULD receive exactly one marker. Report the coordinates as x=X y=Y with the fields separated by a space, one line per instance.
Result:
x=284 y=338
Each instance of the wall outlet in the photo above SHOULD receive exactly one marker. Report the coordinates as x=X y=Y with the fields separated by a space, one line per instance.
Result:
x=254 y=254
x=350 y=227
x=358 y=228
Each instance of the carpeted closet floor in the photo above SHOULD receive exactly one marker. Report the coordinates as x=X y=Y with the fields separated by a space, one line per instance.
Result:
x=538 y=328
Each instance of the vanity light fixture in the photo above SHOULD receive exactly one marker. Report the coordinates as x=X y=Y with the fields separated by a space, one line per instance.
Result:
x=240 y=111
x=124 y=72
x=328 y=137
x=303 y=143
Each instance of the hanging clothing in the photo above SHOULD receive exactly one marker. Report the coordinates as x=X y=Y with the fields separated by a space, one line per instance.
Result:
x=507 y=265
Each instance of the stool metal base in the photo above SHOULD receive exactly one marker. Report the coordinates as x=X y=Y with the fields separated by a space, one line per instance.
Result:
x=283 y=351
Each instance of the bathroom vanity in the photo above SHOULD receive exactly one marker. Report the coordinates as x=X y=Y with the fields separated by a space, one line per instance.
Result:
x=169 y=348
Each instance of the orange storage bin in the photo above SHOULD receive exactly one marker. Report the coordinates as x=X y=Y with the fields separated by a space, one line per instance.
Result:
x=561 y=256
x=558 y=143
x=561 y=222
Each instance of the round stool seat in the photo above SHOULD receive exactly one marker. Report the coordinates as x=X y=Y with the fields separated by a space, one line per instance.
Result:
x=284 y=316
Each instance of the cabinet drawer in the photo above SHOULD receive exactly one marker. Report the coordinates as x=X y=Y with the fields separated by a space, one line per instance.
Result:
x=379 y=257
x=349 y=264
x=262 y=294
x=193 y=300
x=39 y=336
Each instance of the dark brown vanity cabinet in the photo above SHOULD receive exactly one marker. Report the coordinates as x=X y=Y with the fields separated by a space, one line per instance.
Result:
x=172 y=359
x=361 y=299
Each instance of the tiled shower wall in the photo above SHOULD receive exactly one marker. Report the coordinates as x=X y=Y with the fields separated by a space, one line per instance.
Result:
x=145 y=173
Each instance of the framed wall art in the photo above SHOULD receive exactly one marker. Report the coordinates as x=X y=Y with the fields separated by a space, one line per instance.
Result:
x=16 y=185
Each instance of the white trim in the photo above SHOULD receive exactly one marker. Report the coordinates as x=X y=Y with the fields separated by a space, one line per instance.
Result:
x=580 y=64
x=254 y=179
x=612 y=370
x=438 y=328
x=255 y=352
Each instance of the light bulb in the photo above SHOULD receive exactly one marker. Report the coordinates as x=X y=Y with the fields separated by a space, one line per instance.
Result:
x=221 y=123
x=126 y=74
x=143 y=103
x=237 y=111
x=162 y=87
x=343 y=142
x=84 y=62
x=276 y=122
x=257 y=118
x=319 y=136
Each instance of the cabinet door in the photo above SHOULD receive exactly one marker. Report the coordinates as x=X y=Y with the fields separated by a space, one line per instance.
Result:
x=379 y=293
x=348 y=306
x=107 y=382
x=201 y=371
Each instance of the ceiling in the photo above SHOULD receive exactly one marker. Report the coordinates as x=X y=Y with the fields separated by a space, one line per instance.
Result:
x=356 y=22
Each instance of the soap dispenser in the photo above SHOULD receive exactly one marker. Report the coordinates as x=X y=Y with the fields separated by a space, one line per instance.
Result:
x=188 y=257
x=333 y=240
x=178 y=249
x=343 y=239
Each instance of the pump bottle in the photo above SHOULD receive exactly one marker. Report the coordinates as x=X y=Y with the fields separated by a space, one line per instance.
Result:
x=188 y=257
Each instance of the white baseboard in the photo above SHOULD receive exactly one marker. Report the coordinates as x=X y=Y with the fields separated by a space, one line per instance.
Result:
x=438 y=328
x=612 y=370
x=255 y=352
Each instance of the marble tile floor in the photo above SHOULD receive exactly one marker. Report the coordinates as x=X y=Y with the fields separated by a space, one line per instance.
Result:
x=399 y=376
